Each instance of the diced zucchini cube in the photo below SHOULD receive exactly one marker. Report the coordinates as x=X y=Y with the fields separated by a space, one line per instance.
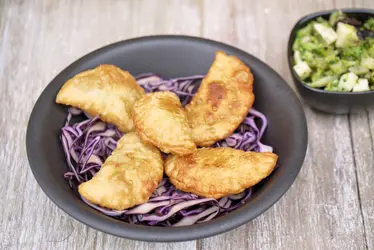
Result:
x=347 y=35
x=367 y=63
x=348 y=81
x=302 y=69
x=361 y=85
x=327 y=33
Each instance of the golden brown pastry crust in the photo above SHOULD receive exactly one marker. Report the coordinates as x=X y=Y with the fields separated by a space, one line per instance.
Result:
x=160 y=120
x=222 y=101
x=107 y=91
x=217 y=172
x=128 y=177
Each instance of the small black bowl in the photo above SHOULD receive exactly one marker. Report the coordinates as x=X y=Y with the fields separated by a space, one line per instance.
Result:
x=328 y=101
x=169 y=56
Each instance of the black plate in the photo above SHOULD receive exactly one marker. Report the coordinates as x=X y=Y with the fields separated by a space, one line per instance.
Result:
x=329 y=101
x=169 y=56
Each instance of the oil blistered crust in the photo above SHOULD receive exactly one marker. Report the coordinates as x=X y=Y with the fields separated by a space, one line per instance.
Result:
x=222 y=101
x=217 y=172
x=160 y=120
x=107 y=91
x=128 y=177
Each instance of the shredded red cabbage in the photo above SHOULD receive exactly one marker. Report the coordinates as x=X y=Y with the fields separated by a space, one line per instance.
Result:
x=88 y=143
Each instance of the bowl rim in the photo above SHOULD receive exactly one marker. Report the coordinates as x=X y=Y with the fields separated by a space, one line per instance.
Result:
x=304 y=20
x=165 y=234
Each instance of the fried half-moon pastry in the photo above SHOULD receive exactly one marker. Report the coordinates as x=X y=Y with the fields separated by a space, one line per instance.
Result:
x=217 y=172
x=160 y=120
x=128 y=177
x=107 y=91
x=222 y=101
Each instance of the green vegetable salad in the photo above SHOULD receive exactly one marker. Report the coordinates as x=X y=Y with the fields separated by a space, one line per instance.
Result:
x=336 y=54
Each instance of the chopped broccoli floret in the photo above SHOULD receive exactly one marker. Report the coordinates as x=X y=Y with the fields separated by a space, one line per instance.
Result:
x=323 y=21
x=371 y=79
x=306 y=31
x=336 y=17
x=368 y=46
x=348 y=63
x=309 y=57
x=338 y=67
x=326 y=51
x=333 y=86
x=311 y=43
x=369 y=24
x=318 y=74
x=351 y=53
